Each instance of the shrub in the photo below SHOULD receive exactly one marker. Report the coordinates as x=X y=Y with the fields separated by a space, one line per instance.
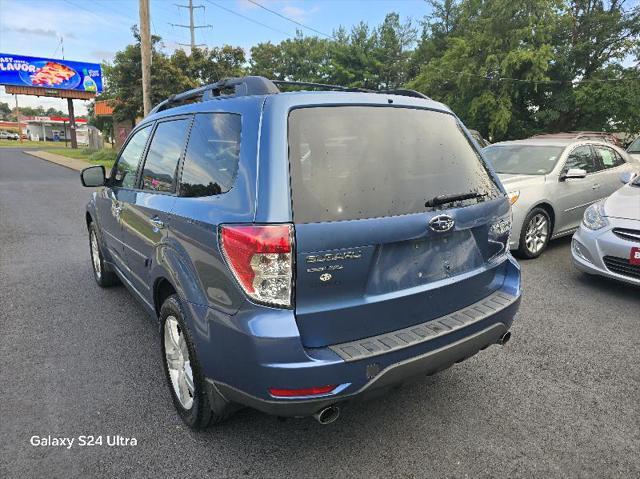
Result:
x=103 y=155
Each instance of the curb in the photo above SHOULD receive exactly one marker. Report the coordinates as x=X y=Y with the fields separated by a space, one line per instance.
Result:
x=71 y=163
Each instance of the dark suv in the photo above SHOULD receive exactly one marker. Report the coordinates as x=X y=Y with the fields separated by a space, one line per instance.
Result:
x=304 y=249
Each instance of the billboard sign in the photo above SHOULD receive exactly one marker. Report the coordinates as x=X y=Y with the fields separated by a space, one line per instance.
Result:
x=18 y=70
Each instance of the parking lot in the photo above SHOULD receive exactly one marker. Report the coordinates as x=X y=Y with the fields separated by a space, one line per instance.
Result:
x=561 y=399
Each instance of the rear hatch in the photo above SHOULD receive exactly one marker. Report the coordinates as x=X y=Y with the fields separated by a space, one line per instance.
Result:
x=375 y=252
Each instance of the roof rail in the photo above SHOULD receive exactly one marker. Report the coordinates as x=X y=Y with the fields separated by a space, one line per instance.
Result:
x=405 y=92
x=249 y=85
x=257 y=85
x=322 y=86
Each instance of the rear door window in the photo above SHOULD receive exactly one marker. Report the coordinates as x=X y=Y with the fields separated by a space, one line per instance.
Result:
x=211 y=161
x=166 y=148
x=582 y=158
x=608 y=156
x=355 y=162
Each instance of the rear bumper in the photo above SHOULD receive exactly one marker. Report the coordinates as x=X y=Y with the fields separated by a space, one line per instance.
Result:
x=427 y=364
x=244 y=355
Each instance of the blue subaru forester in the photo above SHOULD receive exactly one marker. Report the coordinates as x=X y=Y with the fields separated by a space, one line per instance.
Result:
x=304 y=249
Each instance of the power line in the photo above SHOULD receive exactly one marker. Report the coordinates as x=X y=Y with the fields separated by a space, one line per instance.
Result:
x=520 y=80
x=290 y=19
x=247 y=18
x=98 y=17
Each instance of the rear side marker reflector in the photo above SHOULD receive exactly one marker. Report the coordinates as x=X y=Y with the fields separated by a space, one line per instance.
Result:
x=261 y=259
x=315 y=391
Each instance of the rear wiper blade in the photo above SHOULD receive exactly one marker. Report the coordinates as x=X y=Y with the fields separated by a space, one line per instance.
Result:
x=444 y=199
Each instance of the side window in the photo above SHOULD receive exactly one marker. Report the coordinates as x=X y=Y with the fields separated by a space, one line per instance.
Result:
x=609 y=157
x=125 y=171
x=167 y=144
x=211 y=162
x=581 y=158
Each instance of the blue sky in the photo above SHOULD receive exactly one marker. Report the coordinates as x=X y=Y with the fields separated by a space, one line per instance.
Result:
x=94 y=30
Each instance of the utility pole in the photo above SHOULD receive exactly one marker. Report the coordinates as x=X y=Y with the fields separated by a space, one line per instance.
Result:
x=18 y=119
x=72 y=125
x=145 y=50
x=192 y=27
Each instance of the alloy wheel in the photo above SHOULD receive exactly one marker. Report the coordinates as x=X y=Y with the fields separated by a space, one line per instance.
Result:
x=95 y=255
x=536 y=234
x=178 y=362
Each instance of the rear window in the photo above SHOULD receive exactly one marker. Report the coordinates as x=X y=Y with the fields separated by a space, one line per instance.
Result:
x=355 y=162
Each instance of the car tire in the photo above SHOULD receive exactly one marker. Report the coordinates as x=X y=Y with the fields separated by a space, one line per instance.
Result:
x=535 y=234
x=183 y=373
x=103 y=275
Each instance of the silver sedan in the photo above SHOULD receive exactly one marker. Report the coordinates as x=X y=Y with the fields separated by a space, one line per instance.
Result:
x=608 y=241
x=550 y=183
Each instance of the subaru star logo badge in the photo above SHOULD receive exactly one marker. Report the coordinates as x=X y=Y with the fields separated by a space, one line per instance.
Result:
x=441 y=223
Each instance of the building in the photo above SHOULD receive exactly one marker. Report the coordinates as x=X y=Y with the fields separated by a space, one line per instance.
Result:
x=53 y=128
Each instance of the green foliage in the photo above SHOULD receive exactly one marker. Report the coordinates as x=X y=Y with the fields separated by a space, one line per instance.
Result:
x=5 y=110
x=508 y=68
x=169 y=74
x=104 y=155
x=370 y=58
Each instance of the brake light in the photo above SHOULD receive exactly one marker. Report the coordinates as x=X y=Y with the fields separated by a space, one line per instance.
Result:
x=314 y=391
x=261 y=259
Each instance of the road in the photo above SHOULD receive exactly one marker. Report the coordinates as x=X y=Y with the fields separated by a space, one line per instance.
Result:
x=561 y=399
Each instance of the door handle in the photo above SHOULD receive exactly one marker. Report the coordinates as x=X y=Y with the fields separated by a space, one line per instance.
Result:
x=157 y=223
x=595 y=186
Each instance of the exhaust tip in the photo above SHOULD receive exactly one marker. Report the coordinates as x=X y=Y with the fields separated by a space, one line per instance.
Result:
x=504 y=339
x=327 y=415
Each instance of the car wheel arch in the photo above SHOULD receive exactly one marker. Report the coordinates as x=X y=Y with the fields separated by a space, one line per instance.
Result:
x=550 y=211
x=162 y=289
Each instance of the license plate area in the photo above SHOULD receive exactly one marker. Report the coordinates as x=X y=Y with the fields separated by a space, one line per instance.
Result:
x=634 y=256
x=410 y=263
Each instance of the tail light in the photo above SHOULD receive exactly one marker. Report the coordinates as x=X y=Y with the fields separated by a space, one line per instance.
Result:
x=261 y=259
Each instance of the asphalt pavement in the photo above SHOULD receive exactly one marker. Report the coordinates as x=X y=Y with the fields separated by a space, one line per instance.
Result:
x=562 y=398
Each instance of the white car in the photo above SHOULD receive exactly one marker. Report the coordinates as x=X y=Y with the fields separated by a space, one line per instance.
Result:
x=608 y=241
x=550 y=183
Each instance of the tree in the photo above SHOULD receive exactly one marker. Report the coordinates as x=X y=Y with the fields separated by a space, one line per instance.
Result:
x=392 y=52
x=206 y=65
x=476 y=55
x=5 y=110
x=514 y=68
x=591 y=37
x=300 y=59
x=124 y=79
x=266 y=61
x=509 y=68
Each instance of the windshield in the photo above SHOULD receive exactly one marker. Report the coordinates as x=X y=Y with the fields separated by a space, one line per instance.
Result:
x=523 y=159
x=635 y=146
x=355 y=162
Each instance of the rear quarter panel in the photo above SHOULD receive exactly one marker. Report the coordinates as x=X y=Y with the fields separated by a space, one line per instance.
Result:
x=191 y=255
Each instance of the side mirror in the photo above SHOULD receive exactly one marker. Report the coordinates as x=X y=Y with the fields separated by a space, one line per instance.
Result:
x=93 y=176
x=628 y=176
x=573 y=173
